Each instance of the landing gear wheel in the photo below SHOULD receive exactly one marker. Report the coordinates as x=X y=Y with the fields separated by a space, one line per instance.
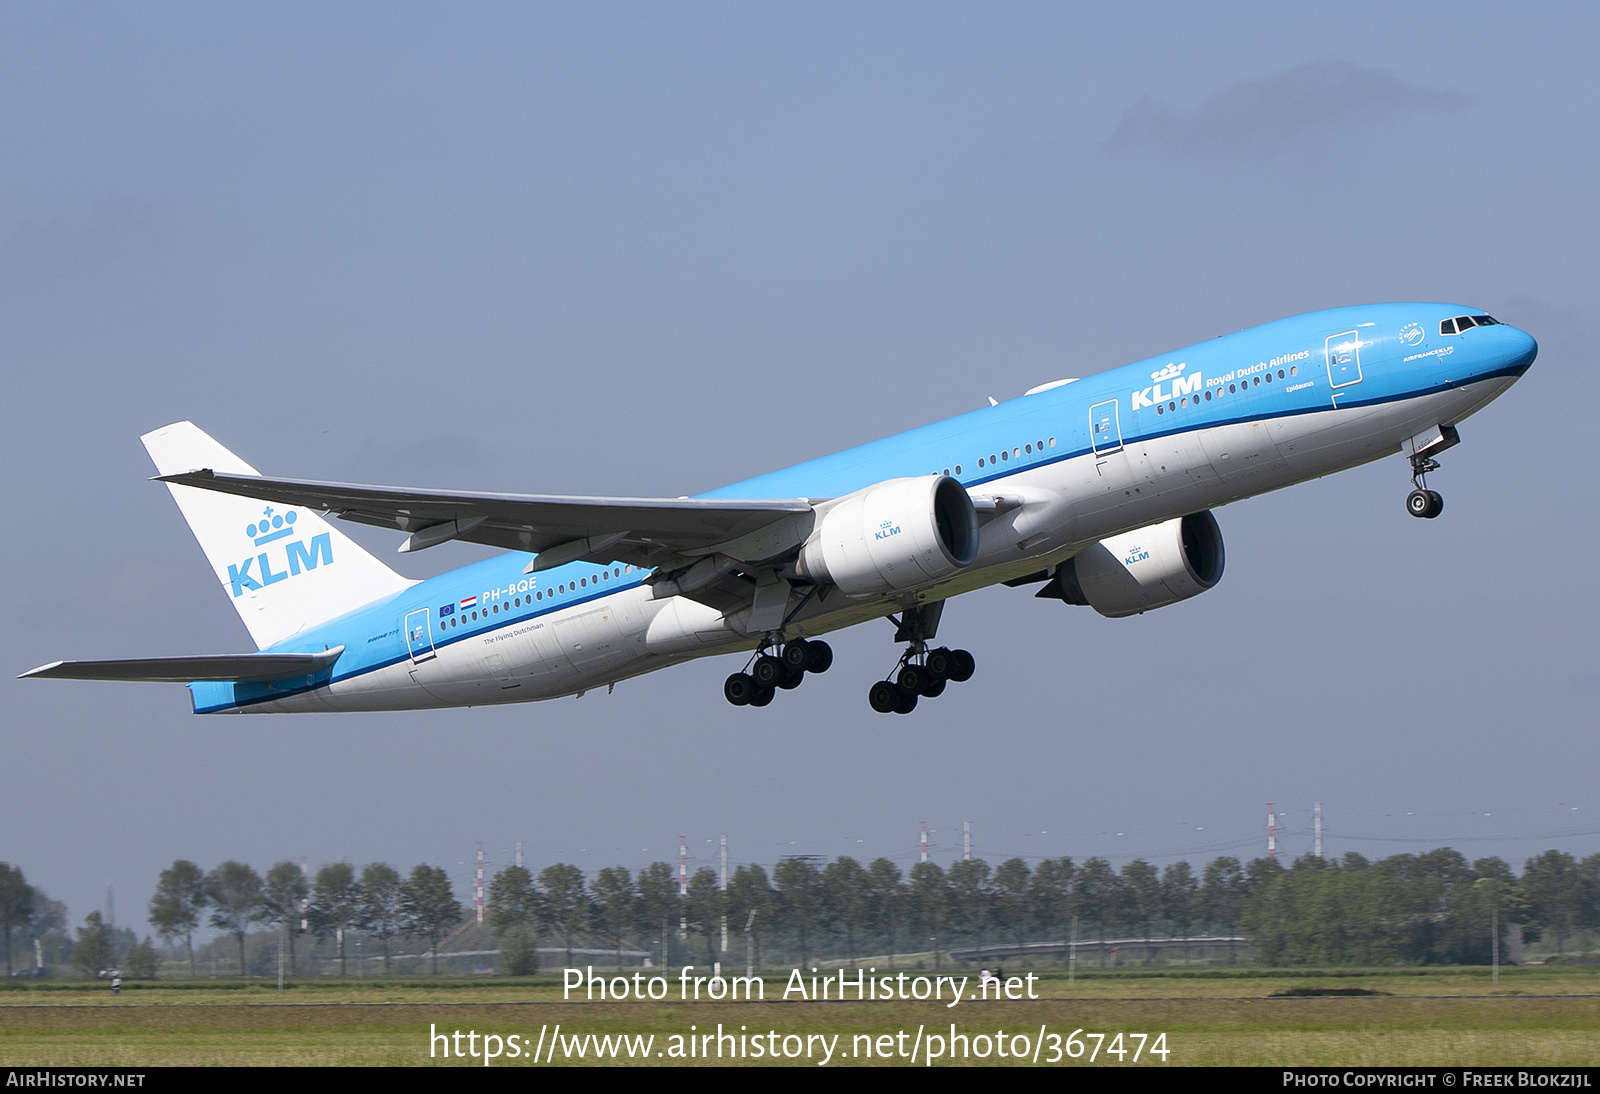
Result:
x=768 y=670
x=792 y=679
x=933 y=689
x=911 y=679
x=738 y=689
x=906 y=701
x=1424 y=503
x=762 y=697
x=939 y=663
x=962 y=666
x=796 y=655
x=819 y=655
x=884 y=697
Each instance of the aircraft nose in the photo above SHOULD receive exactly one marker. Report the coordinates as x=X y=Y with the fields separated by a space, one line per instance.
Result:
x=1518 y=347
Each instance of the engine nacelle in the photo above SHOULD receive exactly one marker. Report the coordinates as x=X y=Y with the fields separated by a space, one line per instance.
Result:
x=896 y=535
x=1146 y=568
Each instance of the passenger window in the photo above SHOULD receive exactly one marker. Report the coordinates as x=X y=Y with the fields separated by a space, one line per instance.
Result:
x=1052 y=442
x=1161 y=408
x=980 y=461
x=1005 y=455
x=1017 y=452
x=1294 y=370
x=1028 y=448
x=958 y=469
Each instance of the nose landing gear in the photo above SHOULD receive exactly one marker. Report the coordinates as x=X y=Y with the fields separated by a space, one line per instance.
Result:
x=1421 y=449
x=1424 y=503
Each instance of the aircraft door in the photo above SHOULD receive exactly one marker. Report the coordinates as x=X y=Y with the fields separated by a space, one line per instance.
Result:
x=1344 y=359
x=419 y=636
x=1105 y=428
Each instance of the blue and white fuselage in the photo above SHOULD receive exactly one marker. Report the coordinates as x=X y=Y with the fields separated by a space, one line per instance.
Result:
x=1050 y=475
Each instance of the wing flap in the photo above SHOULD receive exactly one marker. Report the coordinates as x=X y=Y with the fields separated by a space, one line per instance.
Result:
x=654 y=531
x=243 y=668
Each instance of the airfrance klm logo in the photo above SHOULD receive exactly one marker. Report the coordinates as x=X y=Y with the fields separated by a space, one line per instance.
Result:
x=293 y=559
x=1181 y=385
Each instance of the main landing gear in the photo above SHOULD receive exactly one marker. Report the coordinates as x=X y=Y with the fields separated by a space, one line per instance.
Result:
x=771 y=671
x=921 y=672
x=1421 y=449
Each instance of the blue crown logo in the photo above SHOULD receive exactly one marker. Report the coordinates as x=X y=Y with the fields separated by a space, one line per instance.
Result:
x=1174 y=369
x=272 y=526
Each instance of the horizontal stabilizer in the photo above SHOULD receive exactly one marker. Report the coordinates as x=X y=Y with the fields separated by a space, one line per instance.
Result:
x=243 y=668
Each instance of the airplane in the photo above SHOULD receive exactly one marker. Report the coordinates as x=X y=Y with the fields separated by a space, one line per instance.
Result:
x=1098 y=490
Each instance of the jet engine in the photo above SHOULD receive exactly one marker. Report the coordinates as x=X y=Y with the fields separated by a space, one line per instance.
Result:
x=1143 y=569
x=896 y=535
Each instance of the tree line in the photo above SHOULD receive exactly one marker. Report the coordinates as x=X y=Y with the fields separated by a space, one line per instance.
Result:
x=1431 y=907
x=232 y=898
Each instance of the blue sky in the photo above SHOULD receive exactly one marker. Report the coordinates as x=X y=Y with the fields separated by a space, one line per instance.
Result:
x=645 y=249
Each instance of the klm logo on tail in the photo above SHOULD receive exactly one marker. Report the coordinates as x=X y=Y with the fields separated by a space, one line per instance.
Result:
x=295 y=557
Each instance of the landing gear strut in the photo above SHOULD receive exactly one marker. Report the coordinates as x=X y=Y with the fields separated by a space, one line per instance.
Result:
x=921 y=673
x=775 y=667
x=1421 y=449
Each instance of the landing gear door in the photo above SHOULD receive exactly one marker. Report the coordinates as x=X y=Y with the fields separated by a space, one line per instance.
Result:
x=1344 y=359
x=419 y=636
x=1105 y=428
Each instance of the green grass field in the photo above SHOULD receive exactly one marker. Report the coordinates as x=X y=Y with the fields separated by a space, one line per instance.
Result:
x=1548 y=1016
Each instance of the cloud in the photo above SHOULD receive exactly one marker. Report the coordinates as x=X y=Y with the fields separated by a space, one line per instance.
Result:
x=1279 y=111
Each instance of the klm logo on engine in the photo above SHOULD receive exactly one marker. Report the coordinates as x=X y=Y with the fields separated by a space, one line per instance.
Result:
x=1181 y=385
x=1135 y=554
x=886 y=529
x=292 y=559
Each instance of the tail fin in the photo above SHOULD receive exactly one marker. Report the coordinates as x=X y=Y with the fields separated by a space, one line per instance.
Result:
x=285 y=570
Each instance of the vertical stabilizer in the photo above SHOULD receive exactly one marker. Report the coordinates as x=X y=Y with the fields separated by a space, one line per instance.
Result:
x=284 y=567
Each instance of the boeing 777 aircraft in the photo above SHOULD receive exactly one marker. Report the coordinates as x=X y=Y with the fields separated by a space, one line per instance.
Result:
x=1098 y=490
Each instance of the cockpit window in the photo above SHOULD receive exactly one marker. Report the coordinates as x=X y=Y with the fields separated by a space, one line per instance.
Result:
x=1465 y=322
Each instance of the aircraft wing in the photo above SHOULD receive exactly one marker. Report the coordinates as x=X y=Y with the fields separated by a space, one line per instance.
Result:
x=647 y=532
x=256 y=668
